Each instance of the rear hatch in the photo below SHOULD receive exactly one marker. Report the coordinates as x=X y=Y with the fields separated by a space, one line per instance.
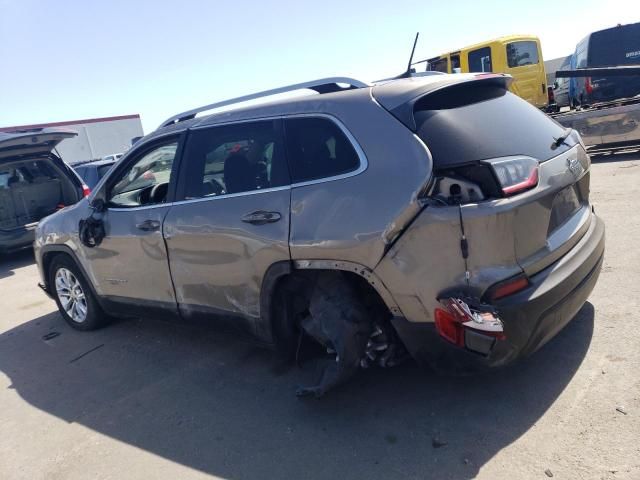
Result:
x=33 y=181
x=482 y=138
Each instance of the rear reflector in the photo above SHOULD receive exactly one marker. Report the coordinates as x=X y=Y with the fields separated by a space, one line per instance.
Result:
x=449 y=327
x=515 y=174
x=86 y=191
x=508 y=287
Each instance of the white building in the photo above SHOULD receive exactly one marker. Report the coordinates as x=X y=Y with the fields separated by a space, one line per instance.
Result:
x=97 y=137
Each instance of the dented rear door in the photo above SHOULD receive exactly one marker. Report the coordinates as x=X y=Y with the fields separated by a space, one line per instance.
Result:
x=232 y=221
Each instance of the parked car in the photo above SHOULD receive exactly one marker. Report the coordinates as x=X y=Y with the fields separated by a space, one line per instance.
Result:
x=92 y=172
x=443 y=214
x=561 y=86
x=612 y=47
x=34 y=182
x=517 y=55
x=113 y=157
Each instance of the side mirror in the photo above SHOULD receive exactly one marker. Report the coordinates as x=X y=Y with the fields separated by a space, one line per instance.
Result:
x=98 y=205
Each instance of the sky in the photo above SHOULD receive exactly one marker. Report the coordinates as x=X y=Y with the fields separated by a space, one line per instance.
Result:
x=69 y=59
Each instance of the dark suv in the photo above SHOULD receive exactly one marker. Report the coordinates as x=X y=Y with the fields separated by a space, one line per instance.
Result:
x=442 y=214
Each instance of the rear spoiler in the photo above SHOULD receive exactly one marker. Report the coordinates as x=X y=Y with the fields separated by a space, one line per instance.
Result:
x=400 y=97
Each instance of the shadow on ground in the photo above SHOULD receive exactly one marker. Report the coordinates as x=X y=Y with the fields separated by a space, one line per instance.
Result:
x=215 y=403
x=14 y=260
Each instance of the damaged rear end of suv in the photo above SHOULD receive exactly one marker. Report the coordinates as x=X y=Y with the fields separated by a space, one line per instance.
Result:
x=440 y=217
x=507 y=247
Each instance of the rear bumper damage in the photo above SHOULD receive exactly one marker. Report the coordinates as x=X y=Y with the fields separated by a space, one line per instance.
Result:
x=530 y=317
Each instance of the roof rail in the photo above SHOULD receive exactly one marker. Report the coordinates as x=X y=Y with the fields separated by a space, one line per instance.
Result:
x=323 y=85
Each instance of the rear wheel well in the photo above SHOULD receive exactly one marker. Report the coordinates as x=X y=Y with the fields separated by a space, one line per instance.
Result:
x=291 y=297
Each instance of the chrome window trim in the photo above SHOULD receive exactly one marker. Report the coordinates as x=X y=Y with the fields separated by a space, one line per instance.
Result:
x=364 y=164
x=141 y=207
x=231 y=195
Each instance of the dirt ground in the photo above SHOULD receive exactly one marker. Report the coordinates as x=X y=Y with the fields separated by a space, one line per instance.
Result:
x=148 y=399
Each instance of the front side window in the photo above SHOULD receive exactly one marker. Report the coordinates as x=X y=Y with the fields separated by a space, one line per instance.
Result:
x=520 y=54
x=318 y=148
x=146 y=181
x=235 y=158
x=480 y=60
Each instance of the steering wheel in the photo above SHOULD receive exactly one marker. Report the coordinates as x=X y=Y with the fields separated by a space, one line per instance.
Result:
x=158 y=193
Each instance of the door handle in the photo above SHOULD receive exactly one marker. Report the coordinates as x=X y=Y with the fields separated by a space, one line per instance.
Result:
x=261 y=217
x=148 y=225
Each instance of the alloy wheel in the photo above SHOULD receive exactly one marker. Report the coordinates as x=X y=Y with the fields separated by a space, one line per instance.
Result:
x=71 y=295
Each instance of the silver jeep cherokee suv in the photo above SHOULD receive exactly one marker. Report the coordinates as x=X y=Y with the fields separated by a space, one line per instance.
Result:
x=442 y=214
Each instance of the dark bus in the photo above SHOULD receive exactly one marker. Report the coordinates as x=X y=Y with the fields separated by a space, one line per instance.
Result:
x=612 y=47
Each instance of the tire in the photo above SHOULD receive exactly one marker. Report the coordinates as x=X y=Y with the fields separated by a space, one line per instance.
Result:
x=73 y=295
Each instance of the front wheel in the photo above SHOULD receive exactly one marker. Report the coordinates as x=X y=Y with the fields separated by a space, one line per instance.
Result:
x=74 y=298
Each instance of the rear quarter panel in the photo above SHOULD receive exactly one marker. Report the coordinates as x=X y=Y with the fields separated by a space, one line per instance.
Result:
x=354 y=219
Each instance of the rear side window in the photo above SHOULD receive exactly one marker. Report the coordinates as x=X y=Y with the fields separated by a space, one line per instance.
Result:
x=520 y=54
x=318 y=148
x=235 y=158
x=480 y=60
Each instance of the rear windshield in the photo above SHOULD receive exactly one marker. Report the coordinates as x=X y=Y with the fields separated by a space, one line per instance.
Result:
x=468 y=123
x=103 y=169
x=616 y=46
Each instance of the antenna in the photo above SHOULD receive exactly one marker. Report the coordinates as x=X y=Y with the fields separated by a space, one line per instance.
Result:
x=413 y=50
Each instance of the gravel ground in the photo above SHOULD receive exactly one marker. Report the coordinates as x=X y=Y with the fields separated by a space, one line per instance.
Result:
x=166 y=401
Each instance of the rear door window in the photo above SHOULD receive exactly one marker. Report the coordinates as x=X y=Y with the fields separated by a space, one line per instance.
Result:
x=318 y=148
x=520 y=54
x=236 y=158
x=480 y=60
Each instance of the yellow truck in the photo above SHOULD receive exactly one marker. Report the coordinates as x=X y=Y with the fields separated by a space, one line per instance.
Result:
x=518 y=55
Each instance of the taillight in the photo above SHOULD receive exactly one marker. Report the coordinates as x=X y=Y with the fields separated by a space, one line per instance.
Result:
x=515 y=174
x=86 y=191
x=467 y=324
x=587 y=85
x=449 y=327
